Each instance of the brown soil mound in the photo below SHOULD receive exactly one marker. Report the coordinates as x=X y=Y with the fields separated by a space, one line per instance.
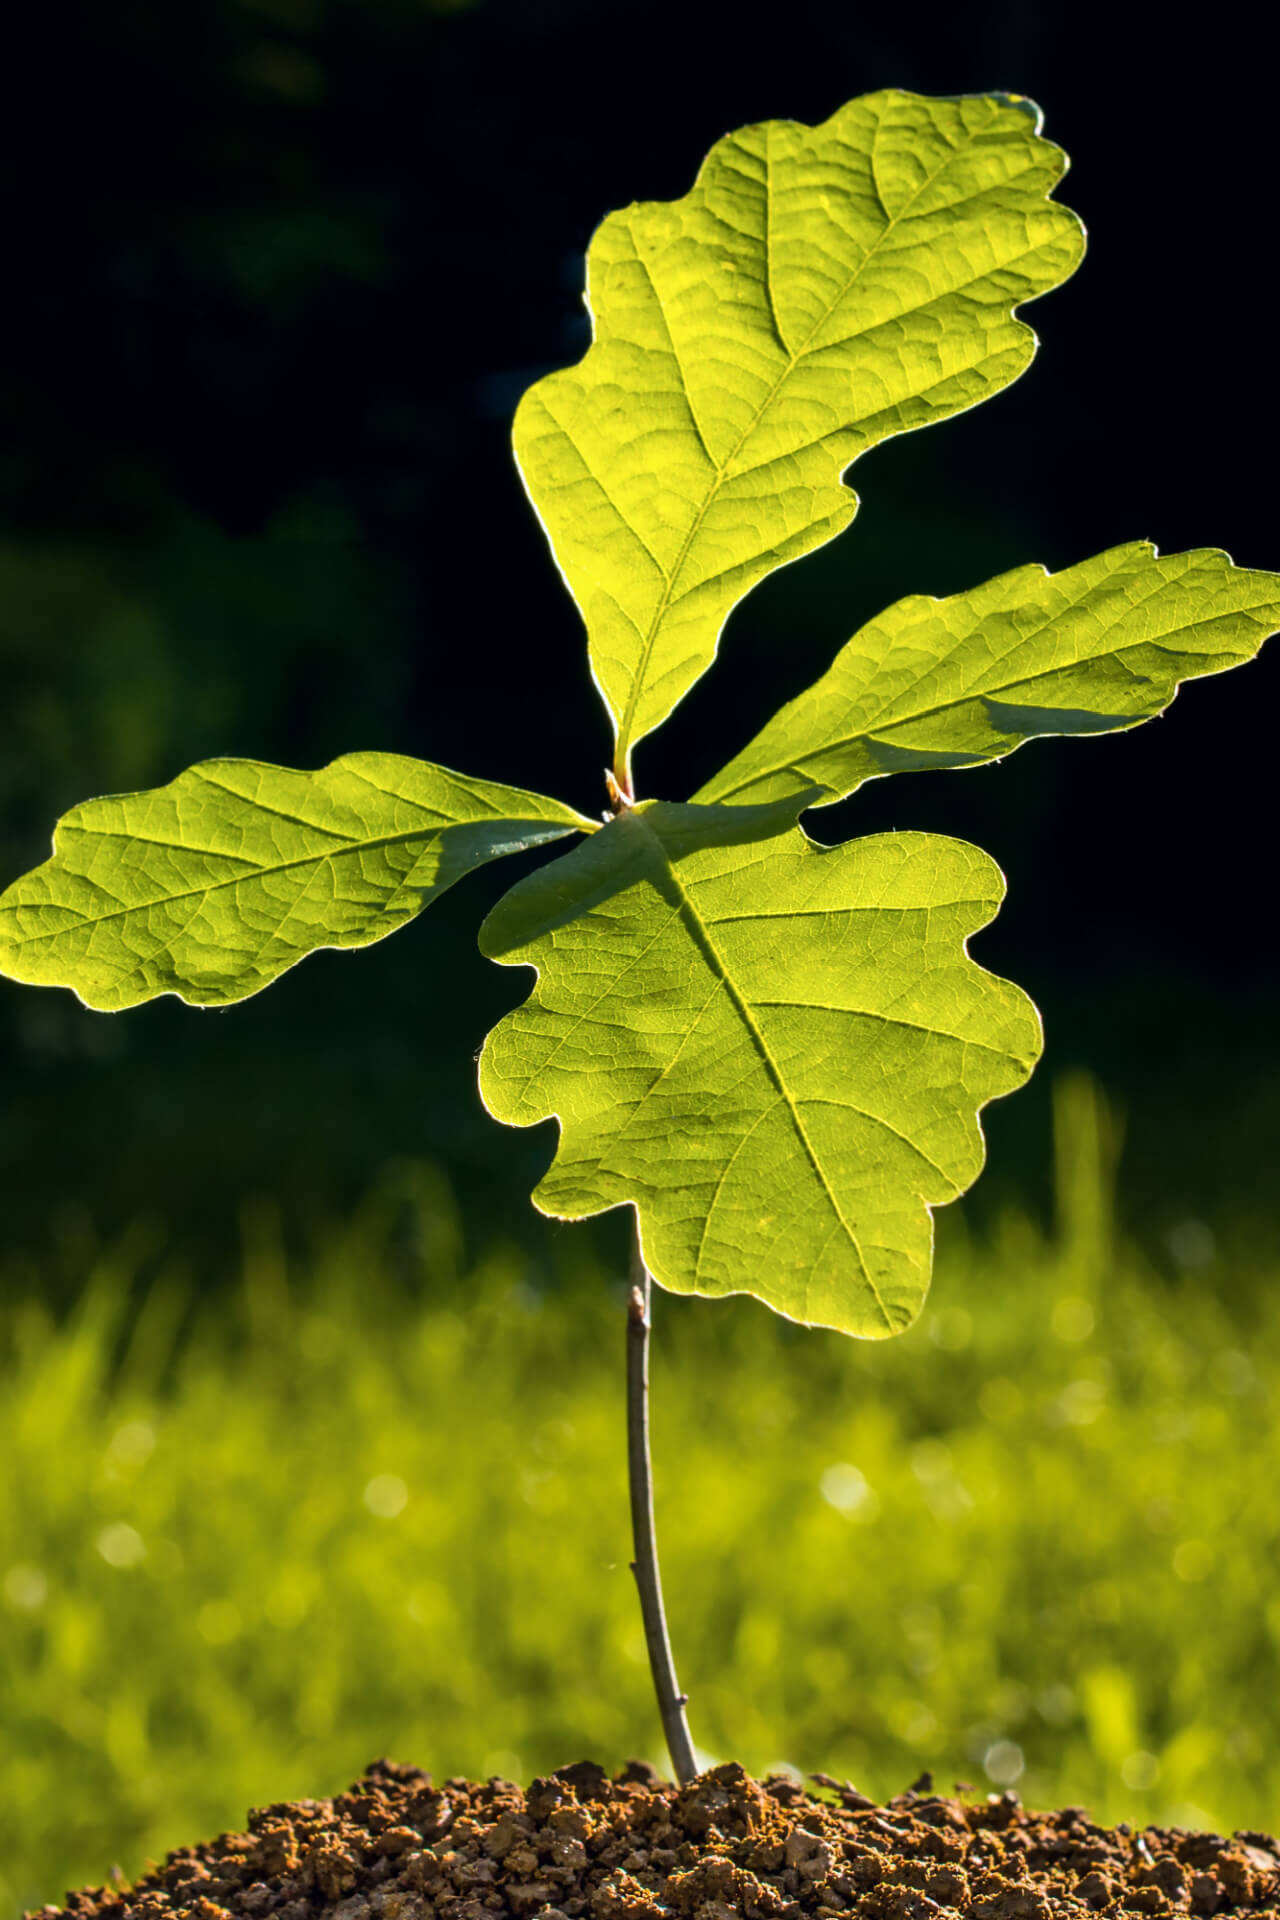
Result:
x=579 y=1846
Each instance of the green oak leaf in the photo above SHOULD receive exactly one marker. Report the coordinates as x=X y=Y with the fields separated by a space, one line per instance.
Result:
x=953 y=683
x=776 y=1051
x=818 y=290
x=212 y=886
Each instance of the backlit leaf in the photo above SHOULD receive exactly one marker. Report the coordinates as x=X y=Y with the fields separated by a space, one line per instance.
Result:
x=951 y=683
x=818 y=290
x=776 y=1051
x=210 y=887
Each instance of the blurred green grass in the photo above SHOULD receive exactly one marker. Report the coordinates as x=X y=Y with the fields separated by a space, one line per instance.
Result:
x=368 y=1501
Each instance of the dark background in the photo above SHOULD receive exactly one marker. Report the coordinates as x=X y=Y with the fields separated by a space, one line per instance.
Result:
x=278 y=271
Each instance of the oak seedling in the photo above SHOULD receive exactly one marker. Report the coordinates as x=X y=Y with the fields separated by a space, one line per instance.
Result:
x=775 y=1051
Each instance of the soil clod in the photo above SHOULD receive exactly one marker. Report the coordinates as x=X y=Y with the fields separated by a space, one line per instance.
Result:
x=580 y=1846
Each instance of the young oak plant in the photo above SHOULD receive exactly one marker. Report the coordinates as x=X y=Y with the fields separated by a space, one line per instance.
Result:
x=775 y=1051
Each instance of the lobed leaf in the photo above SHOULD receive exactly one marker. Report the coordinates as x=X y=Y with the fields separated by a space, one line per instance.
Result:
x=212 y=886
x=818 y=290
x=776 y=1051
x=952 y=683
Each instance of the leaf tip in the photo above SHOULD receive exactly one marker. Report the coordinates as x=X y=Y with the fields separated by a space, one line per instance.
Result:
x=1022 y=104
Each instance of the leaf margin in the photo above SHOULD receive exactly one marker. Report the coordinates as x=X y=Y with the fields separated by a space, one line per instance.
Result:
x=509 y=936
x=602 y=343
x=768 y=781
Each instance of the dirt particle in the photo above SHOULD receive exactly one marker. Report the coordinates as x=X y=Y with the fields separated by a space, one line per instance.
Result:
x=899 y=1903
x=948 y=1886
x=503 y=1835
x=356 y=1908
x=429 y=1813
x=638 y=1773
x=1166 y=1873
x=620 y=1895
x=588 y=1780
x=544 y=1794
x=275 y=1853
x=463 y=1910
x=330 y=1868
x=397 y=1840
x=470 y=1874
x=525 y=1896
x=1234 y=1870
x=1149 y=1900
x=1007 y=1900
x=1002 y=1809
x=808 y=1854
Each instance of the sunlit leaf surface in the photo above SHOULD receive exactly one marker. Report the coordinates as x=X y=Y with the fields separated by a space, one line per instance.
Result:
x=210 y=887
x=819 y=289
x=951 y=683
x=777 y=1051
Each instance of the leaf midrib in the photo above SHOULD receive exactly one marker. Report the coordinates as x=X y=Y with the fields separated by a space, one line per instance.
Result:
x=235 y=879
x=667 y=595
x=701 y=936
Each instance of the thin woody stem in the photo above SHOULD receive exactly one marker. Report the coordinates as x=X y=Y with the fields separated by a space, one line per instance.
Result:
x=671 y=1702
